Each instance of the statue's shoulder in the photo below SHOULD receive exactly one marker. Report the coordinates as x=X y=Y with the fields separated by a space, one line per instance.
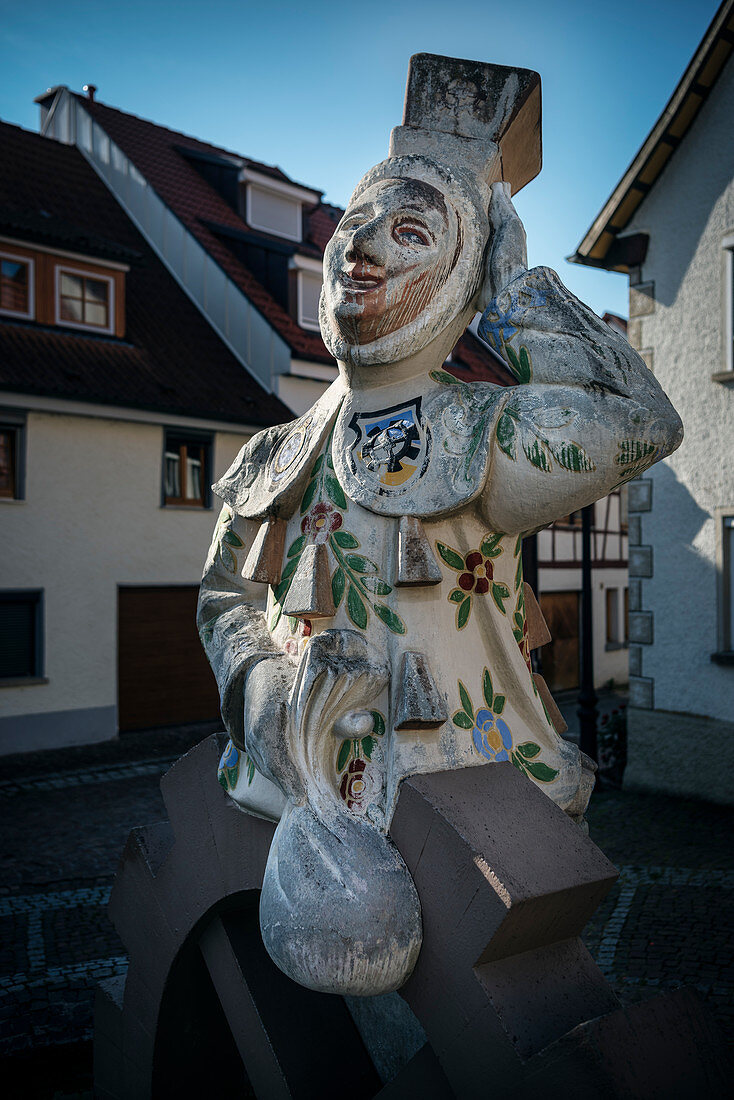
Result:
x=268 y=475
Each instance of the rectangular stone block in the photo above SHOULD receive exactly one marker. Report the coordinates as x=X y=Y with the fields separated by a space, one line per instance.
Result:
x=635 y=594
x=641 y=627
x=642 y=692
x=634 y=530
x=648 y=358
x=640 y=561
x=635 y=660
x=642 y=299
x=639 y=496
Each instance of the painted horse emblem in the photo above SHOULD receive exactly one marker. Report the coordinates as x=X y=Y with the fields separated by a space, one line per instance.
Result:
x=392 y=445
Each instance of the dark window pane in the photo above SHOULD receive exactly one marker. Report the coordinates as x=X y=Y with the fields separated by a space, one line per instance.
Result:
x=95 y=291
x=193 y=477
x=14 y=286
x=18 y=619
x=8 y=438
x=173 y=475
x=71 y=309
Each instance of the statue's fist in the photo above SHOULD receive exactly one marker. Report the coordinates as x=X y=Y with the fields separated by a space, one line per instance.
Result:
x=508 y=256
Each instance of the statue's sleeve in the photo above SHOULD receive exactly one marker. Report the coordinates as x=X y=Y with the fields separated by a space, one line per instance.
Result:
x=231 y=626
x=585 y=416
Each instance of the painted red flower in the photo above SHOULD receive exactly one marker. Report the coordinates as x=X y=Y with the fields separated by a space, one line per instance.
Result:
x=354 y=784
x=479 y=572
x=321 y=521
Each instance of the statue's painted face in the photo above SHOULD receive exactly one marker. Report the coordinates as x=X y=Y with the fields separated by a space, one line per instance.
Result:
x=391 y=254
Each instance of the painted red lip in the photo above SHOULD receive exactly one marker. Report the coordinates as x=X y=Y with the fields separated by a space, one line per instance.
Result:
x=361 y=277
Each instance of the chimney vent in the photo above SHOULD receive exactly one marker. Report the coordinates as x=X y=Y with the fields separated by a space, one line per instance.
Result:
x=90 y=89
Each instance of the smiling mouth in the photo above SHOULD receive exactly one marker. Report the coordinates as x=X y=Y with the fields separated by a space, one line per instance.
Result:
x=359 y=278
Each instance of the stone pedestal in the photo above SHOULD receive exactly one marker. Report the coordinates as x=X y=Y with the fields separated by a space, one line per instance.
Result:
x=509 y=1000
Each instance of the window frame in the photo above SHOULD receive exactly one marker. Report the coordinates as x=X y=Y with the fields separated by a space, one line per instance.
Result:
x=296 y=235
x=19 y=595
x=311 y=324
x=15 y=421
x=183 y=439
x=84 y=273
x=724 y=518
x=728 y=312
x=29 y=261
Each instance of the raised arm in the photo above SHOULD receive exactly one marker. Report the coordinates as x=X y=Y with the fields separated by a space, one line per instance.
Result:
x=586 y=415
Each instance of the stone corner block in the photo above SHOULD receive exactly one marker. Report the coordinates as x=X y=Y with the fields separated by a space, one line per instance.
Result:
x=635 y=660
x=641 y=627
x=639 y=497
x=642 y=692
x=640 y=561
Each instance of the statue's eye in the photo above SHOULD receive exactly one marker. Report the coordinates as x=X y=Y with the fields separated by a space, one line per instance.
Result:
x=411 y=235
x=355 y=222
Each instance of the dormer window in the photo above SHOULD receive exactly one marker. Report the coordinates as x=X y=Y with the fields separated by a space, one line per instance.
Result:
x=309 y=278
x=84 y=299
x=16 y=285
x=274 y=206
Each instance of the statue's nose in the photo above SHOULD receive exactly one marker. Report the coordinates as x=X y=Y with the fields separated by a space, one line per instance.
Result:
x=367 y=244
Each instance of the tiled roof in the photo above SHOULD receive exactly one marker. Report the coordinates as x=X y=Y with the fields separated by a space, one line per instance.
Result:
x=159 y=154
x=171 y=360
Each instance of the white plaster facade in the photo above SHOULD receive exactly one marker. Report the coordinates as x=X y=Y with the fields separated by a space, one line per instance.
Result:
x=79 y=546
x=681 y=729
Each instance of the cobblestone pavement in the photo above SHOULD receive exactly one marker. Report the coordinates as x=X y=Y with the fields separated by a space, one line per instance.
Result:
x=66 y=816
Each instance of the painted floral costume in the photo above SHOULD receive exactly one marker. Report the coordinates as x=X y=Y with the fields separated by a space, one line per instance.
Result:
x=479 y=466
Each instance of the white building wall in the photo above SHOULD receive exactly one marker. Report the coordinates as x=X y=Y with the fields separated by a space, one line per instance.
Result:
x=679 y=325
x=92 y=520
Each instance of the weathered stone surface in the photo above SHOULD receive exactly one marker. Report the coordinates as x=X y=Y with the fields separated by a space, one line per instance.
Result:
x=265 y=560
x=538 y=632
x=559 y=722
x=397 y=637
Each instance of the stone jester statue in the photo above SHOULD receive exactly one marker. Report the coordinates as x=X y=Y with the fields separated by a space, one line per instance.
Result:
x=387 y=525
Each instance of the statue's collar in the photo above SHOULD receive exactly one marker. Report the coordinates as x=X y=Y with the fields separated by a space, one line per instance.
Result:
x=418 y=453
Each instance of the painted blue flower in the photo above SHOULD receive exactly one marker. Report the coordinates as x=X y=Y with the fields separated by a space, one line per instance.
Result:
x=230 y=756
x=491 y=736
x=495 y=326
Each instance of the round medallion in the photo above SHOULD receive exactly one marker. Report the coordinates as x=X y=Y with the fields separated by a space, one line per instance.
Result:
x=289 y=451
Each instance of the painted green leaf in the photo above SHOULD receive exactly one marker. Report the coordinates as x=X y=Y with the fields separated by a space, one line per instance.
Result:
x=329 y=459
x=487 y=691
x=356 y=609
x=275 y=618
x=344 y=753
x=221 y=776
x=280 y=590
x=491 y=546
x=361 y=564
x=518 y=619
x=374 y=584
x=338 y=582
x=462 y=615
x=537 y=455
x=505 y=432
x=541 y=771
x=518 y=574
x=633 y=451
x=517 y=762
x=571 y=456
x=528 y=749
x=526 y=369
x=233 y=540
x=518 y=546
x=452 y=557
x=250 y=771
x=346 y=540
x=457 y=595
x=466 y=701
x=462 y=720
x=289 y=569
x=499 y=704
x=296 y=546
x=500 y=592
x=309 y=495
x=335 y=492
x=517 y=635
x=292 y=624
x=378 y=723
x=368 y=744
x=317 y=465
x=446 y=378
x=389 y=618
x=228 y=559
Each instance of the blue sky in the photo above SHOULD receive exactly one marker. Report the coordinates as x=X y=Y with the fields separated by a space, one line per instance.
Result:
x=316 y=88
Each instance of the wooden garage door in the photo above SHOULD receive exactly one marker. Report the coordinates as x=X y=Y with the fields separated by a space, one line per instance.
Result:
x=164 y=678
x=561 y=656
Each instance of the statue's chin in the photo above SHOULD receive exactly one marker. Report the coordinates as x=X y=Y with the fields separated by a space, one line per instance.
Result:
x=343 y=343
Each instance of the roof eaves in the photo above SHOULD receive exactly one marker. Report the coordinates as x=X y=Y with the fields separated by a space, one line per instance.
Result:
x=683 y=106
